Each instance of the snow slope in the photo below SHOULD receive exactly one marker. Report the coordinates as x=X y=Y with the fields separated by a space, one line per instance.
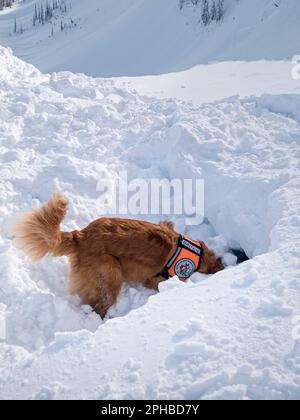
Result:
x=232 y=335
x=207 y=83
x=143 y=37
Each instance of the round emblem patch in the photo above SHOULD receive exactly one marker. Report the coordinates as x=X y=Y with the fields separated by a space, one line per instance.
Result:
x=185 y=268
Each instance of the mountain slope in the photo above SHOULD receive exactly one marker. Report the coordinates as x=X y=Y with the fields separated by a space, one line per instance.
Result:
x=139 y=37
x=232 y=335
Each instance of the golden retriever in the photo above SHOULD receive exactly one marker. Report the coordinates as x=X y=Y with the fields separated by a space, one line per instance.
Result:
x=105 y=253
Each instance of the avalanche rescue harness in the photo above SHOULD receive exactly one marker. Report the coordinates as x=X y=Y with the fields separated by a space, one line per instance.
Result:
x=186 y=260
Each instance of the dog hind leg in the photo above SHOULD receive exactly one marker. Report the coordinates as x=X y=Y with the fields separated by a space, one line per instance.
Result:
x=98 y=284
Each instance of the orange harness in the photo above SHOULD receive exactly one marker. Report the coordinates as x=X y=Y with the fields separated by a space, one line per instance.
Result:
x=186 y=260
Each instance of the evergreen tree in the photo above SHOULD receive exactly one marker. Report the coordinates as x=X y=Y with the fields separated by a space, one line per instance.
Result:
x=205 y=13
x=220 y=10
x=42 y=15
x=35 y=15
x=213 y=13
x=181 y=4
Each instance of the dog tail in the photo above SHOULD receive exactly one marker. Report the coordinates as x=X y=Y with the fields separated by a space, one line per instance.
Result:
x=38 y=232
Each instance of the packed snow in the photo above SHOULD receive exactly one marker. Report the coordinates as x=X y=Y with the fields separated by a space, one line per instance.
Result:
x=234 y=335
x=208 y=83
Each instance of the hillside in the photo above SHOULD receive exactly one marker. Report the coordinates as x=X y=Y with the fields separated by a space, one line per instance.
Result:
x=141 y=37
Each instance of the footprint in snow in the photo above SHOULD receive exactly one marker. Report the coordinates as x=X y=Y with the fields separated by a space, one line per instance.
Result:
x=193 y=327
x=245 y=281
x=274 y=307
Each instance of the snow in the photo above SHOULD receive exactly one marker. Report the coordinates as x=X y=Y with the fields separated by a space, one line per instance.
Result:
x=213 y=82
x=231 y=335
x=217 y=103
x=146 y=37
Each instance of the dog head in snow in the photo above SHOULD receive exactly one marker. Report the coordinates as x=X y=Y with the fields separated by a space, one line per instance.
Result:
x=211 y=264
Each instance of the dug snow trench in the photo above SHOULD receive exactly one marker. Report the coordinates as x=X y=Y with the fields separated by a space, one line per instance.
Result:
x=232 y=335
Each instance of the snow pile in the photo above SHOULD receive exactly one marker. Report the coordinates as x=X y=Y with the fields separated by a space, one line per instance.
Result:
x=142 y=37
x=233 y=335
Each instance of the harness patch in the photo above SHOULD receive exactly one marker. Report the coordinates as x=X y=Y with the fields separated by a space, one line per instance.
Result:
x=185 y=268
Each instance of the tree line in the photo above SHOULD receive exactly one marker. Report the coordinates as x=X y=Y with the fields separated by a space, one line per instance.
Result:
x=44 y=13
x=211 y=10
x=6 y=3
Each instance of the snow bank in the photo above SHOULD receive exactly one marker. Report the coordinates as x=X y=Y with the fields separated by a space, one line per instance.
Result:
x=233 y=335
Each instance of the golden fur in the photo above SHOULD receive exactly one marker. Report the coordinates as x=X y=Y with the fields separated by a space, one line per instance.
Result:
x=105 y=253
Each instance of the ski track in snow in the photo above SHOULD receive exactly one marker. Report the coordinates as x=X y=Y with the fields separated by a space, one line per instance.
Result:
x=227 y=336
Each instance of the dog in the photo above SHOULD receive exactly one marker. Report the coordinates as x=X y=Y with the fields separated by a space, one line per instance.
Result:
x=110 y=251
